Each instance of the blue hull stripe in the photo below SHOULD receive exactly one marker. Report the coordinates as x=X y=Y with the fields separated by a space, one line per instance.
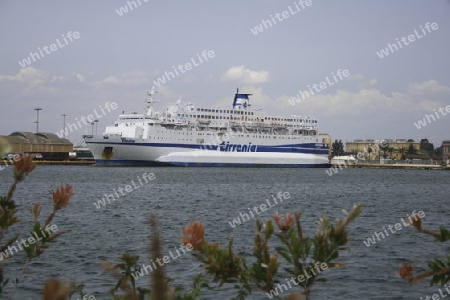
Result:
x=138 y=163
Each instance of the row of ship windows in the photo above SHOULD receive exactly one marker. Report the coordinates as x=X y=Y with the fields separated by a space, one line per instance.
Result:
x=232 y=112
x=225 y=111
x=281 y=138
x=228 y=118
x=237 y=135
x=206 y=117
x=209 y=117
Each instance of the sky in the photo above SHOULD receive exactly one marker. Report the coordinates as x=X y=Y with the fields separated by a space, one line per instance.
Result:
x=115 y=56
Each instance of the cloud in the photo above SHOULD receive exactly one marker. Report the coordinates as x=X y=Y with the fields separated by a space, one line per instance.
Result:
x=136 y=78
x=364 y=83
x=79 y=77
x=364 y=102
x=368 y=84
x=132 y=78
x=165 y=93
x=110 y=80
x=427 y=87
x=58 y=79
x=29 y=75
x=247 y=76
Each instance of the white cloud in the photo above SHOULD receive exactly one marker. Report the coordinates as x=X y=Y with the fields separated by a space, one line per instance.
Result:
x=427 y=106
x=427 y=87
x=58 y=79
x=365 y=102
x=110 y=79
x=29 y=75
x=368 y=84
x=240 y=73
x=134 y=74
x=136 y=77
x=129 y=79
x=164 y=92
x=79 y=77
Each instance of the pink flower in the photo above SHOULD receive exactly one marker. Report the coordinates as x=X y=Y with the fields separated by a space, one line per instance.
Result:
x=279 y=220
x=195 y=232
x=61 y=196
x=23 y=166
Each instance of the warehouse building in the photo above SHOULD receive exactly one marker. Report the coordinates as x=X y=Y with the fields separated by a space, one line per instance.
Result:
x=45 y=146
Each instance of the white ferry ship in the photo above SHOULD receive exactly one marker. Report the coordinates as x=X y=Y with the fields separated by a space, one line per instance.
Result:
x=185 y=135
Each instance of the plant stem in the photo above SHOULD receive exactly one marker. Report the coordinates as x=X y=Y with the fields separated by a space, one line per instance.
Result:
x=18 y=278
x=433 y=273
x=11 y=190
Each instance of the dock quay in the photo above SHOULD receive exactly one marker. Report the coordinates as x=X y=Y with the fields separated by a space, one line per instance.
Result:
x=398 y=166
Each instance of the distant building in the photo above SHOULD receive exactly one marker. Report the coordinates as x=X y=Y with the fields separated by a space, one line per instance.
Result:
x=446 y=151
x=395 y=148
x=47 y=146
x=325 y=138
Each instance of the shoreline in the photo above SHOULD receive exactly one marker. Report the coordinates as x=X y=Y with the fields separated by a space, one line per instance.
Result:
x=65 y=162
x=398 y=166
x=367 y=166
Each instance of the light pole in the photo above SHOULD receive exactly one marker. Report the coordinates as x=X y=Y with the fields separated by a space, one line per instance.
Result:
x=37 y=118
x=64 y=125
x=96 y=125
x=379 y=156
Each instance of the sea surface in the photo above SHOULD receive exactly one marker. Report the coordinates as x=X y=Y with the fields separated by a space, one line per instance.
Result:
x=215 y=196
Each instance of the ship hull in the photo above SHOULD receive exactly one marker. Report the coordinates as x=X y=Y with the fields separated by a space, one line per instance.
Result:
x=140 y=153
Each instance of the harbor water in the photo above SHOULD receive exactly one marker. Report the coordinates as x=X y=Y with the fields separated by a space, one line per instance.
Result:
x=216 y=196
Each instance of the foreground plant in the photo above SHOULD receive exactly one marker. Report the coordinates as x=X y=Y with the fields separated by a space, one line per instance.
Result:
x=306 y=258
x=40 y=236
x=126 y=270
x=303 y=255
x=439 y=268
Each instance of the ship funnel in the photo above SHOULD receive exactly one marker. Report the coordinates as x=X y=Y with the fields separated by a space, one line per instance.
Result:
x=241 y=100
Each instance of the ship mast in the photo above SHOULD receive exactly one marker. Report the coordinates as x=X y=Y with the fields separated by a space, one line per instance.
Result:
x=149 y=101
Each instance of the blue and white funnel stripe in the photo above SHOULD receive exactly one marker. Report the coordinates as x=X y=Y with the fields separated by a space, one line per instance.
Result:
x=241 y=100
